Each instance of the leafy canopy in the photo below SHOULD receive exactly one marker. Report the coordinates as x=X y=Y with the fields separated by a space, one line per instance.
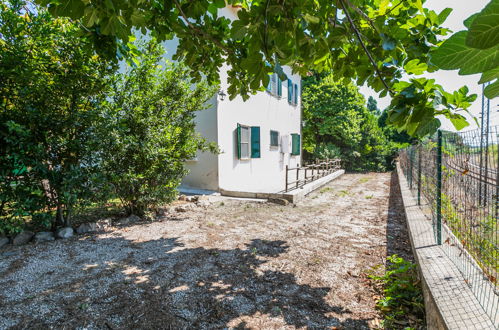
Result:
x=475 y=50
x=370 y=41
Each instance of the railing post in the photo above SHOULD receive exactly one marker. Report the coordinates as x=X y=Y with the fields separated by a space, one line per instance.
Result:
x=411 y=161
x=305 y=169
x=419 y=175
x=286 y=179
x=439 y=188
x=297 y=176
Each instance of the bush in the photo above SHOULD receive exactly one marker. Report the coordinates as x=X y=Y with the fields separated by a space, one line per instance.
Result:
x=152 y=130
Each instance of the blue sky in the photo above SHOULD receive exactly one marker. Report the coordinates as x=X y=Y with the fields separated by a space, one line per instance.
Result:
x=450 y=80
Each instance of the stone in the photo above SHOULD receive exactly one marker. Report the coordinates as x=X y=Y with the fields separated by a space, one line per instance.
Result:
x=203 y=198
x=128 y=220
x=3 y=241
x=23 y=237
x=203 y=203
x=182 y=198
x=104 y=223
x=44 y=236
x=86 y=228
x=66 y=232
x=184 y=208
x=280 y=201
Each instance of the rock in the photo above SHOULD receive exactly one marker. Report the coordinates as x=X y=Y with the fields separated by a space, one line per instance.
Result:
x=86 y=228
x=3 y=241
x=104 y=223
x=203 y=203
x=66 y=232
x=184 y=208
x=182 y=198
x=44 y=236
x=23 y=237
x=203 y=198
x=128 y=220
x=280 y=201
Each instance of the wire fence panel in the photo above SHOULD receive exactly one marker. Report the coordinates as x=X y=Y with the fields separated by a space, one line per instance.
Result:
x=455 y=178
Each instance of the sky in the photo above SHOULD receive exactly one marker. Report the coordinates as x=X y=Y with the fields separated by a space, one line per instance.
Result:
x=450 y=80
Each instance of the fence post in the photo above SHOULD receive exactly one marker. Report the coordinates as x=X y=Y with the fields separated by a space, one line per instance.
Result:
x=286 y=179
x=419 y=175
x=439 y=187
x=411 y=156
x=297 y=176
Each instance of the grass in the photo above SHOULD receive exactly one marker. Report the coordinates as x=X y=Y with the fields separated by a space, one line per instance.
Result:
x=364 y=180
x=369 y=196
x=343 y=193
x=325 y=190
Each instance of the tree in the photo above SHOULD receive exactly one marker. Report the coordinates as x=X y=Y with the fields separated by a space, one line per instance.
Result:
x=51 y=87
x=151 y=130
x=372 y=106
x=370 y=41
x=475 y=50
x=337 y=124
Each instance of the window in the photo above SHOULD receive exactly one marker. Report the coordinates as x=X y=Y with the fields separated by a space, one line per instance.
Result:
x=274 y=138
x=279 y=87
x=290 y=91
x=295 y=144
x=243 y=139
x=248 y=142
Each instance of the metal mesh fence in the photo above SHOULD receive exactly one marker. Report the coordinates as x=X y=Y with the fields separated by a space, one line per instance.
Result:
x=455 y=178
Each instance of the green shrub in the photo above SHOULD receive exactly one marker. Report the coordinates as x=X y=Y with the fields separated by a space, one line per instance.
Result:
x=402 y=299
x=152 y=131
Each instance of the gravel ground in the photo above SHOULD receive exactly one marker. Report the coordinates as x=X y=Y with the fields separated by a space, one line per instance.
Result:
x=235 y=264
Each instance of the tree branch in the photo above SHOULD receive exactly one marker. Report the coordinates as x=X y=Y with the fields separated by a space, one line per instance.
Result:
x=198 y=30
x=359 y=38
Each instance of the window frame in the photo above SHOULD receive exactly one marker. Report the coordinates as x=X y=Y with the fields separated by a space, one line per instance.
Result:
x=292 y=144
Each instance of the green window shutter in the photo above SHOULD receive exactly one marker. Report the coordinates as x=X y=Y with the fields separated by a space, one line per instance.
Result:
x=295 y=144
x=296 y=94
x=255 y=142
x=290 y=90
x=238 y=135
x=279 y=86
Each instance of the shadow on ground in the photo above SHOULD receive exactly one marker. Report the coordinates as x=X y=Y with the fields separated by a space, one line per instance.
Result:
x=160 y=284
x=397 y=236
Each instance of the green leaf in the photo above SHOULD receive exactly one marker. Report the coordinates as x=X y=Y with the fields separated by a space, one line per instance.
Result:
x=492 y=90
x=444 y=14
x=454 y=54
x=311 y=19
x=467 y=22
x=458 y=121
x=484 y=30
x=489 y=75
x=414 y=67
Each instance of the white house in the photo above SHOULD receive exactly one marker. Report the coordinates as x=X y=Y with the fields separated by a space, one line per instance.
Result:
x=257 y=137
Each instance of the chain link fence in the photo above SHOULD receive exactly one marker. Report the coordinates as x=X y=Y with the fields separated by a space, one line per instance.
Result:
x=455 y=178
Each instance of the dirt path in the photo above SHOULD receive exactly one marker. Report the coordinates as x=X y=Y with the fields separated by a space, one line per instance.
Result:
x=236 y=264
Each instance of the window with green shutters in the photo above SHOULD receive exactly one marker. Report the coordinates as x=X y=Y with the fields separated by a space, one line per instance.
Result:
x=274 y=138
x=290 y=91
x=248 y=142
x=295 y=144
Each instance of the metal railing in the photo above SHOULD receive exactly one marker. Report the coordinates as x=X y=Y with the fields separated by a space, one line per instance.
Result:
x=455 y=178
x=297 y=177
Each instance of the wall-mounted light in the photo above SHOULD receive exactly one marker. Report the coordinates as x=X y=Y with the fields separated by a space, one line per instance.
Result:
x=222 y=94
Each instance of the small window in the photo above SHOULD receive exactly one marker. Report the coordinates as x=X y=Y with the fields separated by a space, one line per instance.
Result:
x=295 y=144
x=290 y=91
x=274 y=138
x=243 y=135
